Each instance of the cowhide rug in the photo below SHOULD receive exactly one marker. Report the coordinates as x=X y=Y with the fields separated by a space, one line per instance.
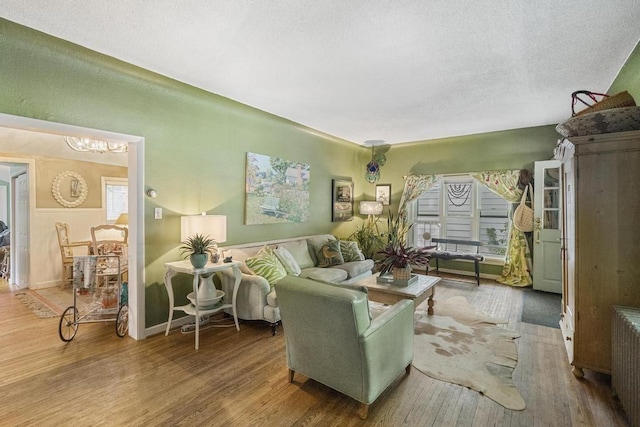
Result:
x=462 y=346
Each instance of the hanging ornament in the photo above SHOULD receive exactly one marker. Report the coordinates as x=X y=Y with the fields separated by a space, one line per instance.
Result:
x=372 y=174
x=381 y=158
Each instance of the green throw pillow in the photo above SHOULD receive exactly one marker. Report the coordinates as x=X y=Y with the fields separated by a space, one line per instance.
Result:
x=330 y=254
x=266 y=264
x=351 y=251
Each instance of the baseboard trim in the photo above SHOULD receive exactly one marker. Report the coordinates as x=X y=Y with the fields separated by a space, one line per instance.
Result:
x=162 y=327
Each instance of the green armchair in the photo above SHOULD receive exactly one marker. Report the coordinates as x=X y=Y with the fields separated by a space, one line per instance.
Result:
x=331 y=338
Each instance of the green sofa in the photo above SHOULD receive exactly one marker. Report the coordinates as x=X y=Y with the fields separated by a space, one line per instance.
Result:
x=331 y=338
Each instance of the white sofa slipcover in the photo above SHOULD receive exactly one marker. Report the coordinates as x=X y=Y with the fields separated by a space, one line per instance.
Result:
x=256 y=300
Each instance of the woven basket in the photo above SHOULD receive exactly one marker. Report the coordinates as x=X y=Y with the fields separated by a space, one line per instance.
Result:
x=401 y=273
x=619 y=100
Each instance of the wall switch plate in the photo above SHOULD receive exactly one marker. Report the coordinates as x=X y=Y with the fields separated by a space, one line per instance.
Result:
x=158 y=213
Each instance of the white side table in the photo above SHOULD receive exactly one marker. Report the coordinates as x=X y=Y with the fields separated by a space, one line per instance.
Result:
x=200 y=274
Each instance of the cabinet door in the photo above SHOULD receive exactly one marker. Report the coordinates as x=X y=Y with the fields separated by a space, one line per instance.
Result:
x=568 y=255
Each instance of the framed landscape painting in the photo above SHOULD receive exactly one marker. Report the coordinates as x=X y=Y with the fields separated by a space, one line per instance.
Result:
x=276 y=190
x=342 y=203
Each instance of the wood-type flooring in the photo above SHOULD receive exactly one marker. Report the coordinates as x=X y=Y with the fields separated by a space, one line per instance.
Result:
x=240 y=378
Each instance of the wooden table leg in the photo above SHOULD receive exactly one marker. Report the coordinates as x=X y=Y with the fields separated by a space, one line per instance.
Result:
x=431 y=302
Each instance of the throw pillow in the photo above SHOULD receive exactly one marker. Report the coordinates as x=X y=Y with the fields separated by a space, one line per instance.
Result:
x=316 y=243
x=266 y=264
x=351 y=251
x=330 y=254
x=300 y=252
x=287 y=260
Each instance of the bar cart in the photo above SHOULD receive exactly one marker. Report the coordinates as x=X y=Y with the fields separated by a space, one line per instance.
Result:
x=99 y=295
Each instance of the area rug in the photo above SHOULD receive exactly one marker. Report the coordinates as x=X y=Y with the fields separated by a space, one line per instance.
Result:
x=57 y=299
x=541 y=308
x=37 y=307
x=462 y=346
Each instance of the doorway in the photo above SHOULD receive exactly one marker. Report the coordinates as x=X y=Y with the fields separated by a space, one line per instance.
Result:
x=547 y=265
x=135 y=166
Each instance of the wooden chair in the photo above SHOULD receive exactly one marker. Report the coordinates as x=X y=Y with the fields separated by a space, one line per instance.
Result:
x=67 y=251
x=110 y=240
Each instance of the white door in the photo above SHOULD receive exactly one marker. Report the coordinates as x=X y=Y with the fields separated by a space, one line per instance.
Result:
x=20 y=233
x=547 y=265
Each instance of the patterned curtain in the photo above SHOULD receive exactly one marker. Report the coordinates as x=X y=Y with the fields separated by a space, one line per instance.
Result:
x=516 y=270
x=414 y=186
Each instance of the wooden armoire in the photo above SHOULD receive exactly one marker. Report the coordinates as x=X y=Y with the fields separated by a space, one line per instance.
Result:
x=600 y=243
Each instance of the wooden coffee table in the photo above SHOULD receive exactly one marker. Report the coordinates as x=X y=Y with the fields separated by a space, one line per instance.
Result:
x=417 y=291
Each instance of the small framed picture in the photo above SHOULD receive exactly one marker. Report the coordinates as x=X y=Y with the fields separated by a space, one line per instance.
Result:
x=75 y=188
x=342 y=203
x=383 y=194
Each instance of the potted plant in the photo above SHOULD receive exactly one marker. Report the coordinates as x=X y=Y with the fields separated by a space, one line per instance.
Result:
x=198 y=247
x=398 y=259
x=395 y=256
x=368 y=240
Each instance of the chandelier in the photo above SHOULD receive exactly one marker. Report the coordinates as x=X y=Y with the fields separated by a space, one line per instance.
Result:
x=95 y=145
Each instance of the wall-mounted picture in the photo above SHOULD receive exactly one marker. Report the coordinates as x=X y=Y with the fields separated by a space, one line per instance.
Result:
x=383 y=194
x=276 y=190
x=342 y=209
x=75 y=188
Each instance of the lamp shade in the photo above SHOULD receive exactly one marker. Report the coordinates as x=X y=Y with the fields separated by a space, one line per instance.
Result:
x=214 y=226
x=370 y=208
x=123 y=219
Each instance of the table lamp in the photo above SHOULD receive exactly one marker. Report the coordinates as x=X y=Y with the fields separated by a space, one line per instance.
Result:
x=123 y=219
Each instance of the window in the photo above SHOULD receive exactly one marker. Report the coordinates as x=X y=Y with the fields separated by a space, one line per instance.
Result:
x=458 y=207
x=116 y=198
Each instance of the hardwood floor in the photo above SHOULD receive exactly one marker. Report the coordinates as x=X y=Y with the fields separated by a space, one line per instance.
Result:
x=240 y=378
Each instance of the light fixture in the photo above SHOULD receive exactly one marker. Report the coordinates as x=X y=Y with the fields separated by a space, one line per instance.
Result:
x=372 y=174
x=370 y=208
x=214 y=226
x=95 y=145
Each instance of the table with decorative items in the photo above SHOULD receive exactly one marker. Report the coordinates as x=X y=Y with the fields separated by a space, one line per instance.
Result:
x=205 y=298
x=418 y=289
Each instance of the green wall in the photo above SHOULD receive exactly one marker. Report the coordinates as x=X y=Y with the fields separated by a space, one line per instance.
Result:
x=629 y=77
x=511 y=149
x=195 y=142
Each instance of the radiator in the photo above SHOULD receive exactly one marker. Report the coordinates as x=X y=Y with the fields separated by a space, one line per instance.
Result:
x=625 y=373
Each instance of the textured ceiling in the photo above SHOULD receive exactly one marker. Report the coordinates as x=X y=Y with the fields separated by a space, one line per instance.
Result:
x=395 y=70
